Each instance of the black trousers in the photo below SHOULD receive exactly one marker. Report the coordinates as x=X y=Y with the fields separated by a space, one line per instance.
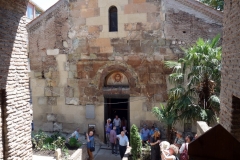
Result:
x=122 y=150
x=114 y=147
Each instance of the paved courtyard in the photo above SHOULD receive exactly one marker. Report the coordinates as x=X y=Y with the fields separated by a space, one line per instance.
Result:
x=105 y=152
x=102 y=152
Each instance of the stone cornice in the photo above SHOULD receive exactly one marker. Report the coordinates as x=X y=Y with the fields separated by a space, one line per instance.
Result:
x=45 y=15
x=200 y=7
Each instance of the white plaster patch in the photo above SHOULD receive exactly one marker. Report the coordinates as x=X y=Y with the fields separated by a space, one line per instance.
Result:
x=72 y=101
x=100 y=70
x=71 y=34
x=65 y=44
x=52 y=52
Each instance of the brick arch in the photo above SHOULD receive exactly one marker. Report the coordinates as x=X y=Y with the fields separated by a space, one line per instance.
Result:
x=133 y=82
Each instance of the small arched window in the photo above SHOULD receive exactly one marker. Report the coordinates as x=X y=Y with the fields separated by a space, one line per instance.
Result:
x=113 y=19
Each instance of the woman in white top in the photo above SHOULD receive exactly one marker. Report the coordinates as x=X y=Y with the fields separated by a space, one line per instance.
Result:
x=188 y=139
x=170 y=154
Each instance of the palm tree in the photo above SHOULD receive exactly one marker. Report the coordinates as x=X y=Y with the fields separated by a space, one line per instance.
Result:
x=216 y=4
x=166 y=115
x=196 y=77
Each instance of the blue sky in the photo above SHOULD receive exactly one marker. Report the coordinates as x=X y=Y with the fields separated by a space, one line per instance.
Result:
x=45 y=4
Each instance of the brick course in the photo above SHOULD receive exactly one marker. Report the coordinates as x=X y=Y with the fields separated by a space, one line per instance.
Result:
x=229 y=116
x=14 y=82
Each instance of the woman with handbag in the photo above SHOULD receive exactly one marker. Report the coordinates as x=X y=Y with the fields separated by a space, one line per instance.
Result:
x=90 y=145
x=184 y=148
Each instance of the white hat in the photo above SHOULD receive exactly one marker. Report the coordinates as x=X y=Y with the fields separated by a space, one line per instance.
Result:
x=164 y=145
x=174 y=148
x=109 y=119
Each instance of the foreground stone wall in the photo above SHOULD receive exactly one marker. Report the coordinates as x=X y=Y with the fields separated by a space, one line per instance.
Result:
x=72 y=54
x=230 y=96
x=15 y=131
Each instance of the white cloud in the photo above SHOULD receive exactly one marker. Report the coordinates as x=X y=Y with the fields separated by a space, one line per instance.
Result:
x=45 y=4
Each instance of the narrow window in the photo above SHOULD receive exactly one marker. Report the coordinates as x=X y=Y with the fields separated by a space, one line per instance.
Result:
x=30 y=11
x=113 y=19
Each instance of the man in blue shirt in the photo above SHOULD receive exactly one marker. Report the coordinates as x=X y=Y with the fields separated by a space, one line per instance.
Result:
x=123 y=143
x=152 y=131
x=145 y=134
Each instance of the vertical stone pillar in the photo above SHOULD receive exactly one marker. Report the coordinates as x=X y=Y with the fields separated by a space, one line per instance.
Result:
x=230 y=84
x=15 y=130
x=1 y=124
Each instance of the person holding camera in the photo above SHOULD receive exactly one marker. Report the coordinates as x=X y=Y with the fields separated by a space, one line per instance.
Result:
x=90 y=144
x=179 y=139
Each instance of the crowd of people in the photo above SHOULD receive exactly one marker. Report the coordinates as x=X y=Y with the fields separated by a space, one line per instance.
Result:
x=164 y=150
x=178 y=150
x=117 y=135
x=117 y=138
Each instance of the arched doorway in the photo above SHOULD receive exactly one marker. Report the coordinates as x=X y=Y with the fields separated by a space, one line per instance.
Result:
x=116 y=97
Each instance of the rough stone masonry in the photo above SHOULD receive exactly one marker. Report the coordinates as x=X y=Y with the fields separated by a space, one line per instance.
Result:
x=73 y=56
x=15 y=130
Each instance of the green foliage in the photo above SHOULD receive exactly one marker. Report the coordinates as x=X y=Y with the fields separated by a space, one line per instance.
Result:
x=146 y=155
x=74 y=143
x=136 y=143
x=59 y=143
x=216 y=4
x=196 y=78
x=167 y=115
x=41 y=141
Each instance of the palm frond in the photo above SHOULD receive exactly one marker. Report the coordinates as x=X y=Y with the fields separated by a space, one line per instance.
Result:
x=176 y=66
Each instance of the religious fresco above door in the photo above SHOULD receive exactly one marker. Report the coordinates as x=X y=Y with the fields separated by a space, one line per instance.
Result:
x=116 y=79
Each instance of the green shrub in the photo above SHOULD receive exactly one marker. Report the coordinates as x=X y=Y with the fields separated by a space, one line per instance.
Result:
x=59 y=143
x=56 y=135
x=39 y=140
x=48 y=140
x=74 y=143
x=136 y=143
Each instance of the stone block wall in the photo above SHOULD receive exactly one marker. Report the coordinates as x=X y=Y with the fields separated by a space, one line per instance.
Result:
x=15 y=131
x=230 y=86
x=72 y=52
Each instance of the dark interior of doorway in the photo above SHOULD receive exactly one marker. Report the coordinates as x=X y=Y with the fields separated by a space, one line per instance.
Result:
x=117 y=106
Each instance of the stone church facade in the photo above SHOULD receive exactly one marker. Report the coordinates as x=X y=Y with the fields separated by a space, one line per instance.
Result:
x=92 y=59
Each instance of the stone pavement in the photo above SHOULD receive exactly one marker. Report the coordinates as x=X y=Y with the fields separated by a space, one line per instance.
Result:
x=102 y=152
x=36 y=157
x=105 y=153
